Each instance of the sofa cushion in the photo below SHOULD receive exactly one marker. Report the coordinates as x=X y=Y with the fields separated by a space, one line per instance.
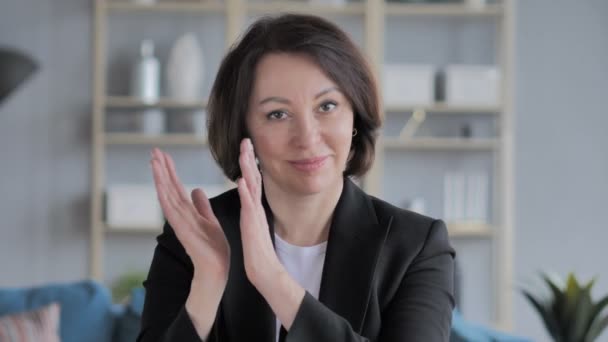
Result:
x=86 y=308
x=463 y=331
x=129 y=322
x=41 y=325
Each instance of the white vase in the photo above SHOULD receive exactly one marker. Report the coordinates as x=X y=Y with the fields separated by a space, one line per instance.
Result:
x=145 y=78
x=144 y=2
x=152 y=121
x=185 y=69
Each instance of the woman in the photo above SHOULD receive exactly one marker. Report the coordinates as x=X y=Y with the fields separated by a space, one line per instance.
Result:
x=297 y=252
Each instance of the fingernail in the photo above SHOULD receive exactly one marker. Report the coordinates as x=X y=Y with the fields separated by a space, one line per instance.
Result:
x=250 y=144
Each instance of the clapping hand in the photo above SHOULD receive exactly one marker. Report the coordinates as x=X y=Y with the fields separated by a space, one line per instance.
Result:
x=193 y=221
x=261 y=263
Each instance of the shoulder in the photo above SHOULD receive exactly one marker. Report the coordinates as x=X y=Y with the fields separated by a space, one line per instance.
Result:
x=226 y=203
x=400 y=216
x=410 y=231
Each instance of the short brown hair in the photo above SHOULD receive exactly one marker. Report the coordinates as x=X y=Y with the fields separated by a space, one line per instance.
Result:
x=332 y=50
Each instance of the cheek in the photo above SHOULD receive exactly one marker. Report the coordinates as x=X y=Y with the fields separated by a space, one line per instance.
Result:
x=266 y=144
x=341 y=133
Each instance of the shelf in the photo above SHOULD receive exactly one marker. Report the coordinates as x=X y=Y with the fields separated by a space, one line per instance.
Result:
x=441 y=144
x=184 y=6
x=305 y=7
x=374 y=20
x=184 y=139
x=132 y=103
x=469 y=229
x=440 y=108
x=134 y=230
x=456 y=10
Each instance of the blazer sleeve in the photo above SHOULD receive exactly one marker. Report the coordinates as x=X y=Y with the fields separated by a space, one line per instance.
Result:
x=167 y=287
x=421 y=309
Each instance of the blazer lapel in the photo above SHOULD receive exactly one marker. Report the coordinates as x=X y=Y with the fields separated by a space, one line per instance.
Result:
x=354 y=245
x=355 y=242
x=248 y=315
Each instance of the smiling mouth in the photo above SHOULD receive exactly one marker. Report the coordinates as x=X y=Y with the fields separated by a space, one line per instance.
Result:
x=310 y=164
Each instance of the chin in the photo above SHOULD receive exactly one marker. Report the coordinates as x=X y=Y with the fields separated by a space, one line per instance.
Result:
x=312 y=184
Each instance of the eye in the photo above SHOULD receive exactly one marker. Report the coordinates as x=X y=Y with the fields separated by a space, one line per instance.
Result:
x=327 y=106
x=276 y=115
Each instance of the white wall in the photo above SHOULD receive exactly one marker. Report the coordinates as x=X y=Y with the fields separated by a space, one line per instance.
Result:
x=561 y=145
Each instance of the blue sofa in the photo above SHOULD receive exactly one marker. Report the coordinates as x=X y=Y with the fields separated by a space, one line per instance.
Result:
x=87 y=313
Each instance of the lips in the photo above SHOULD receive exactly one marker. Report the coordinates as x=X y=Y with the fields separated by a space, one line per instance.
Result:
x=309 y=164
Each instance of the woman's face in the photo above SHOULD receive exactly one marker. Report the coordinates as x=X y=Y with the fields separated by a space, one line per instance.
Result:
x=300 y=124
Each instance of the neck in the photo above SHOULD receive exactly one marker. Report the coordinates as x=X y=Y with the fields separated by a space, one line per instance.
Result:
x=302 y=220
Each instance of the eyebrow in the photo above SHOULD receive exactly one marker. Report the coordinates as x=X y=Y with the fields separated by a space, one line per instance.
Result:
x=286 y=101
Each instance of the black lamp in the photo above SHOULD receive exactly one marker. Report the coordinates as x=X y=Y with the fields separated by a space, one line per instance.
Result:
x=15 y=68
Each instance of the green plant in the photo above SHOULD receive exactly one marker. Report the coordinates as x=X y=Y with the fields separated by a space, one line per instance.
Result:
x=569 y=313
x=125 y=283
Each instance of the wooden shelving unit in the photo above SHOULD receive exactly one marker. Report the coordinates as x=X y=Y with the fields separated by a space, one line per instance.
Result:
x=442 y=144
x=303 y=7
x=374 y=15
x=448 y=10
x=135 y=230
x=179 y=6
x=184 y=139
x=440 y=108
x=125 y=102
x=469 y=229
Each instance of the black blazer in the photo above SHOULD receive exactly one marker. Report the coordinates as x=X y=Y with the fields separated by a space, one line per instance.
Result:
x=388 y=276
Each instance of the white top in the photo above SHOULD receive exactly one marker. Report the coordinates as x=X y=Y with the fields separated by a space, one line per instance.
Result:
x=304 y=264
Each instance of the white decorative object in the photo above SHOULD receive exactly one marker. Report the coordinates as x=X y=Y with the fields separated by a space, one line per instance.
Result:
x=476 y=4
x=191 y=121
x=408 y=84
x=337 y=3
x=472 y=85
x=417 y=204
x=411 y=126
x=199 y=123
x=476 y=203
x=145 y=79
x=185 y=69
x=454 y=196
x=466 y=197
x=152 y=121
x=133 y=206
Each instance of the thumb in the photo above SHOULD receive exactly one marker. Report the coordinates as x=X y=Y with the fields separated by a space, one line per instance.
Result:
x=202 y=205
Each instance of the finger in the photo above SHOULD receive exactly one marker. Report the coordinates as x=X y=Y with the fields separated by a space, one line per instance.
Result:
x=167 y=204
x=163 y=179
x=256 y=171
x=248 y=169
x=202 y=204
x=250 y=215
x=158 y=183
x=175 y=182
x=173 y=209
x=244 y=194
x=257 y=180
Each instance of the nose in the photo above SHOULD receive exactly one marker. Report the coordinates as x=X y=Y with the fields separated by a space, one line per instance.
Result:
x=306 y=131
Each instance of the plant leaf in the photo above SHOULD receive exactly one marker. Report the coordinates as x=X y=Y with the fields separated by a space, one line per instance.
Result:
x=582 y=316
x=597 y=310
x=596 y=329
x=599 y=306
x=559 y=296
x=572 y=297
x=546 y=314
